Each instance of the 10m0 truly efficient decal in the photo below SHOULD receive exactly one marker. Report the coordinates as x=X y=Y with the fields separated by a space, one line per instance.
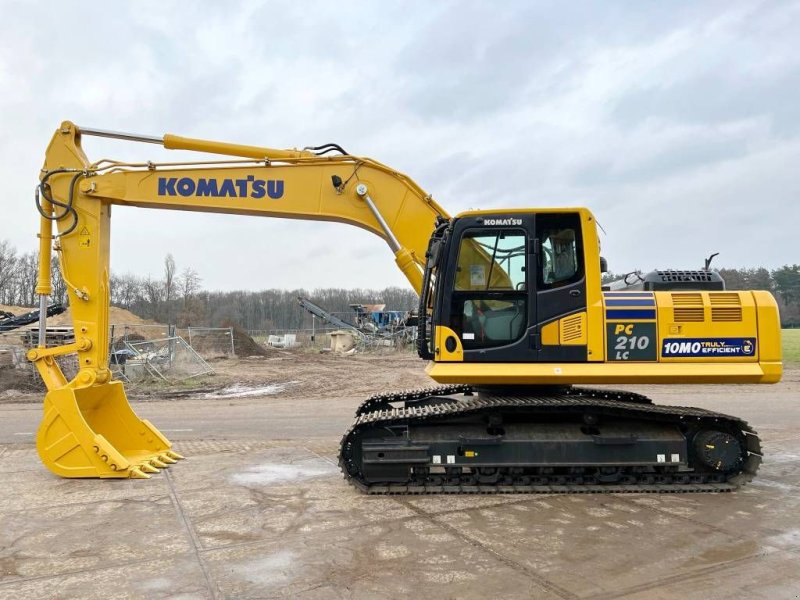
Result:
x=705 y=347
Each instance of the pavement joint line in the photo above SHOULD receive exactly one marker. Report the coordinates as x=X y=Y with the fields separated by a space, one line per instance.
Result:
x=395 y=498
x=190 y=533
x=499 y=502
x=792 y=550
x=300 y=534
x=4 y=472
x=514 y=565
x=320 y=456
x=688 y=576
x=154 y=497
x=106 y=567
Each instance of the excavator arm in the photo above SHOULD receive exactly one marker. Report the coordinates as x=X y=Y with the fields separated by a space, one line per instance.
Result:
x=89 y=429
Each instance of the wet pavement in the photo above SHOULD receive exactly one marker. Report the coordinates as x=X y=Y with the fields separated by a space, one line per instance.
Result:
x=260 y=520
x=270 y=517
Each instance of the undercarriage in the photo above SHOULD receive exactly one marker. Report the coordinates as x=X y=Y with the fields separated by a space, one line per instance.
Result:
x=465 y=439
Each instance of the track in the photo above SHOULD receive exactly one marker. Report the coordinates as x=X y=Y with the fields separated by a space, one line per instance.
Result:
x=438 y=405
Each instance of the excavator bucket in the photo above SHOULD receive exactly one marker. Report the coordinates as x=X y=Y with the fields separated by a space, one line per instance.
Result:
x=93 y=432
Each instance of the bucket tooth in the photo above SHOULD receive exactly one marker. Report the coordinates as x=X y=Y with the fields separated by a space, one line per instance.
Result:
x=137 y=473
x=157 y=463
x=147 y=468
x=166 y=459
x=174 y=455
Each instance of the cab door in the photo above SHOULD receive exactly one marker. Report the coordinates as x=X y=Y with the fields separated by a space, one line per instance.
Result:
x=486 y=293
x=560 y=288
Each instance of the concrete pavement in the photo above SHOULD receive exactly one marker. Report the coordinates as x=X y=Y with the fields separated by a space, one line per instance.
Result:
x=259 y=510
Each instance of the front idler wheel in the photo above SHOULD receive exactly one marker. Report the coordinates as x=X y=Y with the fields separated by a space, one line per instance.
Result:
x=719 y=451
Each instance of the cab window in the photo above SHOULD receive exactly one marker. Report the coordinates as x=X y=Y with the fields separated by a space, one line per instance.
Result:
x=561 y=258
x=491 y=261
x=489 y=298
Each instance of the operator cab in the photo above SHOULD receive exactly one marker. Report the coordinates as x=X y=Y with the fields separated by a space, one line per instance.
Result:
x=501 y=277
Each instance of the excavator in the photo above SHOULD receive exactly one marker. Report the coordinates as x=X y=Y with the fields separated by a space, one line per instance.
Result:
x=513 y=321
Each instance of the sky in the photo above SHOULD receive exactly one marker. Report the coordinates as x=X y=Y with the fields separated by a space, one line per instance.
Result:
x=676 y=123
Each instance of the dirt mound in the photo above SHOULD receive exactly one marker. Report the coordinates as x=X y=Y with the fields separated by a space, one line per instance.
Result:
x=244 y=345
x=16 y=310
x=214 y=343
x=116 y=316
x=18 y=379
x=118 y=343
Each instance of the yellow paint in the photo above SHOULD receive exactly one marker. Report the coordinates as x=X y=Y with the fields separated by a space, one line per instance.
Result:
x=769 y=330
x=550 y=334
x=613 y=372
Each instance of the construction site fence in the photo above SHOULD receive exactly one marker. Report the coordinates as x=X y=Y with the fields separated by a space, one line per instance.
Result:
x=206 y=342
x=213 y=341
x=14 y=346
x=317 y=337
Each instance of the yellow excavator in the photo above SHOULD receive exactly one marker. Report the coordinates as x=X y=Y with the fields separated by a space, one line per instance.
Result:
x=513 y=320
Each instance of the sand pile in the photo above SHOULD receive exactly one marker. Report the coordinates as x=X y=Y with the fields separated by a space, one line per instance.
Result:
x=116 y=316
x=17 y=310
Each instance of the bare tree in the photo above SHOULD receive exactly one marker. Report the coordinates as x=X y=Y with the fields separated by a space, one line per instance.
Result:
x=126 y=290
x=189 y=284
x=154 y=295
x=27 y=274
x=170 y=288
x=169 y=278
x=59 y=293
x=8 y=265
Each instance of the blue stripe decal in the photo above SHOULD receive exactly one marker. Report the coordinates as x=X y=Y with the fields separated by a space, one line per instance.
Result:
x=622 y=314
x=628 y=294
x=630 y=302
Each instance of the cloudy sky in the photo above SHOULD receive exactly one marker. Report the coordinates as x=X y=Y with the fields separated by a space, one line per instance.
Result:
x=677 y=123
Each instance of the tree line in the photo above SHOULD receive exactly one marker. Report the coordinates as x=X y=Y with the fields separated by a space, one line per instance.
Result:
x=18 y=275
x=177 y=296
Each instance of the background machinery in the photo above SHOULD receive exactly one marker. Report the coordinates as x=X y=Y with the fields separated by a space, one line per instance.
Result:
x=512 y=319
